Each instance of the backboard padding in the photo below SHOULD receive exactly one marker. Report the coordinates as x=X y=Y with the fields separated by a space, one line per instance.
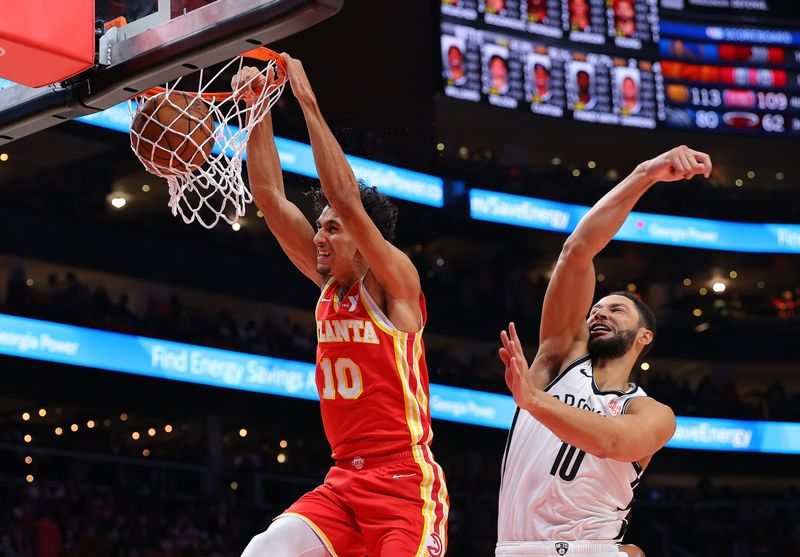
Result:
x=199 y=38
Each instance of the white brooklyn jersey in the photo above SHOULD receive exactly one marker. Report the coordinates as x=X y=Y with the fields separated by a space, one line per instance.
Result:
x=553 y=491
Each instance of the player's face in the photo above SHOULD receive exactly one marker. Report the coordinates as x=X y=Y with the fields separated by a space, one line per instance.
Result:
x=578 y=8
x=498 y=72
x=624 y=9
x=336 y=250
x=613 y=327
x=629 y=89
x=542 y=79
x=455 y=57
x=496 y=6
x=625 y=17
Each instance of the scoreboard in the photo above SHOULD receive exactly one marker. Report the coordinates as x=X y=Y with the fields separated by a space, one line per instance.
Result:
x=726 y=65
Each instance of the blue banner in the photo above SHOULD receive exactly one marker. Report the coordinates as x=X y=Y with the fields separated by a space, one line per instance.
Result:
x=297 y=157
x=713 y=434
x=638 y=227
x=756 y=36
x=67 y=344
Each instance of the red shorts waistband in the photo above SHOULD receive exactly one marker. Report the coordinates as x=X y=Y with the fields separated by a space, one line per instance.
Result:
x=364 y=462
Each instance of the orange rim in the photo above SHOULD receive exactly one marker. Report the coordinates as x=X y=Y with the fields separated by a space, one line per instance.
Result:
x=261 y=53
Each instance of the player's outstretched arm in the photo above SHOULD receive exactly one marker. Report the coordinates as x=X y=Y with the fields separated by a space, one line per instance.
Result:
x=391 y=267
x=290 y=227
x=563 y=332
x=645 y=427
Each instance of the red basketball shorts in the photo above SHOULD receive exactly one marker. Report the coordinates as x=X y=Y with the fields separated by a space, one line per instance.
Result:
x=388 y=506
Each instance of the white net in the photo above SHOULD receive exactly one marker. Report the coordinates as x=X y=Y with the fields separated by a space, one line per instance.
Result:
x=196 y=140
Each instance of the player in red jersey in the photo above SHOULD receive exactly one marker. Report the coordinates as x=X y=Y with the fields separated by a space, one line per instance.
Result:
x=385 y=495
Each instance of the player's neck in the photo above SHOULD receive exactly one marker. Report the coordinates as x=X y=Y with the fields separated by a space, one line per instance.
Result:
x=347 y=279
x=612 y=375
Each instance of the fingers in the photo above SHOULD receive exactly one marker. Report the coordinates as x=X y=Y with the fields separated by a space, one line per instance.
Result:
x=510 y=379
x=516 y=343
x=676 y=164
x=512 y=374
x=505 y=356
x=688 y=163
x=246 y=83
x=505 y=340
x=705 y=161
x=292 y=64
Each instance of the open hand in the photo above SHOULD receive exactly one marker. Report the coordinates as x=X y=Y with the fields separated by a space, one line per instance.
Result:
x=518 y=377
x=680 y=163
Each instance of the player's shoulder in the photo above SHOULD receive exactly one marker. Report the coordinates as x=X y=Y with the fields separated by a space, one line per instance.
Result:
x=648 y=405
x=380 y=294
x=567 y=371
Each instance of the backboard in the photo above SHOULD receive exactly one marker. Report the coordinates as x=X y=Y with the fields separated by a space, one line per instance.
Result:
x=161 y=40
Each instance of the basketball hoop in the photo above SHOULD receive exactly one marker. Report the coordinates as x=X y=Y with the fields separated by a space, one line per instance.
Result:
x=199 y=149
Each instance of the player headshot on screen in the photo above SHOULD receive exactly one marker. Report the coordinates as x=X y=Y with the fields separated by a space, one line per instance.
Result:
x=579 y=17
x=584 y=432
x=384 y=493
x=495 y=6
x=455 y=61
x=498 y=75
x=583 y=83
x=624 y=18
x=541 y=81
x=537 y=10
x=630 y=96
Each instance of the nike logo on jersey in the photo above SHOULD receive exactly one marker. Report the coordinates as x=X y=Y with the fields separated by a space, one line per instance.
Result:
x=347 y=330
x=325 y=299
x=402 y=476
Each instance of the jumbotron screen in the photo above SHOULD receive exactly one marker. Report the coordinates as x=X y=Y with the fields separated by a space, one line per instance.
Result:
x=723 y=65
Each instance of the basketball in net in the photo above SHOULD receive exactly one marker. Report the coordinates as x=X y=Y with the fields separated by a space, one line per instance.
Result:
x=196 y=139
x=173 y=133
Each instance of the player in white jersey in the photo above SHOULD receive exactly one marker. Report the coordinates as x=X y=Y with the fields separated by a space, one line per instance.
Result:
x=583 y=434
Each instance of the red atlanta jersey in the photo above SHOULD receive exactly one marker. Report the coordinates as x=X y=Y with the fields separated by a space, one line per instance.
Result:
x=371 y=378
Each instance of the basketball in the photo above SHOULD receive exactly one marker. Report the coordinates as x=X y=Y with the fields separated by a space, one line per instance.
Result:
x=171 y=133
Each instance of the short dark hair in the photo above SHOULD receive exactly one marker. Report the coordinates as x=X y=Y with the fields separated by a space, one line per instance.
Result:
x=378 y=206
x=498 y=57
x=647 y=318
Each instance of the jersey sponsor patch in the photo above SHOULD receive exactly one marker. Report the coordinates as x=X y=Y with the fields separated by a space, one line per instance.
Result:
x=614 y=407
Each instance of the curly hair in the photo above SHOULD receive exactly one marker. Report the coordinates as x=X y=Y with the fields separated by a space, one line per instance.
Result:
x=377 y=205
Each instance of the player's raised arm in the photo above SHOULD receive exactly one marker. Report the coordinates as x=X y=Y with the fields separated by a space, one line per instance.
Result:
x=391 y=267
x=563 y=331
x=291 y=228
x=643 y=429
